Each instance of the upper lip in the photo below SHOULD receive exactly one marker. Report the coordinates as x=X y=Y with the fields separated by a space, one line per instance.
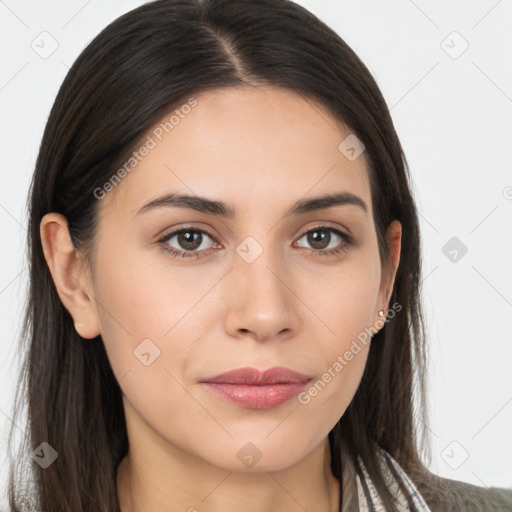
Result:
x=253 y=376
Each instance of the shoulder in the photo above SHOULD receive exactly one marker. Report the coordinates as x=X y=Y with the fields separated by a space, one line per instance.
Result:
x=446 y=495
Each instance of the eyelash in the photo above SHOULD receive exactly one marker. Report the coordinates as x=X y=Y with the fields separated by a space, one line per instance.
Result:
x=348 y=241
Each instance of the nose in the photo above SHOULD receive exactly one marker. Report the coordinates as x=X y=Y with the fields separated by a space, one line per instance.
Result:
x=260 y=299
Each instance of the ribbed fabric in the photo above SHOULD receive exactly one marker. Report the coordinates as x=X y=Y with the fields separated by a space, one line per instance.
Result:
x=369 y=500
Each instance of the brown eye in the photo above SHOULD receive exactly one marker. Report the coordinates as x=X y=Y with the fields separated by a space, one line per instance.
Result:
x=325 y=239
x=187 y=240
x=318 y=238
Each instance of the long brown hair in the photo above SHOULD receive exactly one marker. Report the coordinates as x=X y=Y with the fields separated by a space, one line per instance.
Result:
x=137 y=69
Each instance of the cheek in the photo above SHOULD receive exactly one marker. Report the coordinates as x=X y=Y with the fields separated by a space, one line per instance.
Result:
x=334 y=389
x=147 y=312
x=345 y=303
x=138 y=299
x=344 y=300
x=151 y=317
x=133 y=308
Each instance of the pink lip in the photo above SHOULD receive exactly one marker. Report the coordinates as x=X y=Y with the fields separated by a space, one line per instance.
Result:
x=256 y=389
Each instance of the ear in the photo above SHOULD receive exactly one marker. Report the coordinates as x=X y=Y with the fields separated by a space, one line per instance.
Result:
x=70 y=274
x=394 y=238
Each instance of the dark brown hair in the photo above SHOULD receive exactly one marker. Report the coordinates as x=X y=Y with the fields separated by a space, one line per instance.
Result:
x=137 y=69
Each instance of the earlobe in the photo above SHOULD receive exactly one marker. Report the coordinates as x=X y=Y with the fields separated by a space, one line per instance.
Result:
x=69 y=273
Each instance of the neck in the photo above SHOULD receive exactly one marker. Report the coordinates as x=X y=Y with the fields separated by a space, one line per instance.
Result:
x=148 y=483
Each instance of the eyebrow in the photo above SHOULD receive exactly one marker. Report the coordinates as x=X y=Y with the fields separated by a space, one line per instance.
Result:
x=204 y=205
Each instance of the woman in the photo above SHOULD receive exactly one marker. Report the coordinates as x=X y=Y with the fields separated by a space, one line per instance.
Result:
x=225 y=259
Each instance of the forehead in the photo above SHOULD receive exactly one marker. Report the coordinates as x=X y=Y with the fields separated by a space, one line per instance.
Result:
x=258 y=147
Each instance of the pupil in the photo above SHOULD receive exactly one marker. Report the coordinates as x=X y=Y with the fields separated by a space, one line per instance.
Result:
x=189 y=240
x=318 y=242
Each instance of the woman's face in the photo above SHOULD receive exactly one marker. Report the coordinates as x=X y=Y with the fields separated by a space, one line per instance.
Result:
x=265 y=286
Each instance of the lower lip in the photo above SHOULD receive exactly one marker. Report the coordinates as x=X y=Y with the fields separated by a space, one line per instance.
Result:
x=256 y=397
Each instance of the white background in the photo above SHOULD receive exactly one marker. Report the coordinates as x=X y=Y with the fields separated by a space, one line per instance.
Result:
x=453 y=115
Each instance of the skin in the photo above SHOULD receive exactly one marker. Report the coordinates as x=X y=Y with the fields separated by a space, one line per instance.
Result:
x=289 y=307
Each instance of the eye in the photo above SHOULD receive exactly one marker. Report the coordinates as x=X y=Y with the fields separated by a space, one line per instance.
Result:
x=190 y=242
x=323 y=242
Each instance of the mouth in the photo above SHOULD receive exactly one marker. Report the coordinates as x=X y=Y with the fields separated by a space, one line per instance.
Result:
x=256 y=389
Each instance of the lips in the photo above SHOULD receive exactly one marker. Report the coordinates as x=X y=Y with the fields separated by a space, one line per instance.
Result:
x=256 y=389
x=252 y=376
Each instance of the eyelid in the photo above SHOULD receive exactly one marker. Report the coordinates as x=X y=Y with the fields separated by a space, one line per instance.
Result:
x=347 y=237
x=342 y=231
x=348 y=240
x=176 y=231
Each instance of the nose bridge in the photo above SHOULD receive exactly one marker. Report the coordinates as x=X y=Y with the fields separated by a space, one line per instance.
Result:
x=258 y=267
x=260 y=300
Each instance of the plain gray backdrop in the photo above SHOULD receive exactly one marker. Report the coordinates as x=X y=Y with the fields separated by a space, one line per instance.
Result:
x=445 y=69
